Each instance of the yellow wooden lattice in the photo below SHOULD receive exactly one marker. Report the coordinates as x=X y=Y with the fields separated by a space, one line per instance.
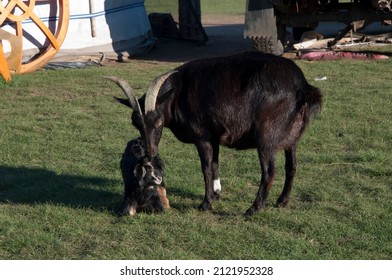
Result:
x=25 y=11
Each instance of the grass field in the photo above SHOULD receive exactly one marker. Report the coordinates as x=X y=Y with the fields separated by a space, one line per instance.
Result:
x=211 y=8
x=61 y=141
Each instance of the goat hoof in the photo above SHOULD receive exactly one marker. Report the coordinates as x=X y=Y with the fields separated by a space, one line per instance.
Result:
x=282 y=203
x=158 y=210
x=250 y=212
x=217 y=195
x=129 y=211
x=205 y=206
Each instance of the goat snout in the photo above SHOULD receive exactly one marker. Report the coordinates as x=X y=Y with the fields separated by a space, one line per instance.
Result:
x=152 y=150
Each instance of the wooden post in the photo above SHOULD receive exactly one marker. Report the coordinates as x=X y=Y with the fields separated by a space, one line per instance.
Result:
x=4 y=71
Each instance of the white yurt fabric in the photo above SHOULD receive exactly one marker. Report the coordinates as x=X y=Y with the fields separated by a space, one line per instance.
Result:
x=123 y=24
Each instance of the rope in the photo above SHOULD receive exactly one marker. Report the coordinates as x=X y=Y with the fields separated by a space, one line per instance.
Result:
x=87 y=16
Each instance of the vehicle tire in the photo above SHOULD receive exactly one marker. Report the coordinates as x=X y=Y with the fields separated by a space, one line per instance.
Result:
x=268 y=45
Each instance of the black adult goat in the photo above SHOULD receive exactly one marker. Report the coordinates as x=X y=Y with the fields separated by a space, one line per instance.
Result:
x=248 y=100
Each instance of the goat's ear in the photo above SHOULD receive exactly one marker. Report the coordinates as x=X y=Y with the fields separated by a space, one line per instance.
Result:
x=138 y=122
x=164 y=96
x=167 y=88
x=122 y=101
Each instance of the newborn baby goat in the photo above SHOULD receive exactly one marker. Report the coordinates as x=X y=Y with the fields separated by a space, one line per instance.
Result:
x=144 y=189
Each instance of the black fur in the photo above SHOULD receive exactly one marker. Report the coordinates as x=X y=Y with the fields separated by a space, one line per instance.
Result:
x=139 y=174
x=243 y=101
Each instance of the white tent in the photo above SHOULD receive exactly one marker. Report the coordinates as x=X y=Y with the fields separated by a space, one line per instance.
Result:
x=121 y=24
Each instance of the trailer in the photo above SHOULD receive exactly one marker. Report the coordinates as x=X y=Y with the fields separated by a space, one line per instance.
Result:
x=267 y=22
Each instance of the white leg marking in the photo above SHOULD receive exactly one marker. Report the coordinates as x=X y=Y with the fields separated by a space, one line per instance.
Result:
x=132 y=211
x=217 y=186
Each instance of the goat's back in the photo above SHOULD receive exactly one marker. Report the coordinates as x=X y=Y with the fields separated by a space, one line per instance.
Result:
x=234 y=74
x=236 y=96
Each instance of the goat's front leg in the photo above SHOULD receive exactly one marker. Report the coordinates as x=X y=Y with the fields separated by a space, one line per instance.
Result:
x=129 y=205
x=290 y=167
x=267 y=164
x=206 y=154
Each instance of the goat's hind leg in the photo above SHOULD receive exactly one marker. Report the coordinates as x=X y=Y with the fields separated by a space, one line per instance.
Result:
x=291 y=168
x=267 y=164
x=155 y=204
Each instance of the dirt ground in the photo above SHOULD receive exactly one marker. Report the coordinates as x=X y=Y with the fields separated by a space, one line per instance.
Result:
x=225 y=37
x=225 y=34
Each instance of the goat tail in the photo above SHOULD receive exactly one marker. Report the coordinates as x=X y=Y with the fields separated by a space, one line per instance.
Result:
x=313 y=101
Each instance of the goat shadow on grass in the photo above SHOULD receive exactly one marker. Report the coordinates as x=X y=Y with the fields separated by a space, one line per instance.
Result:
x=189 y=200
x=183 y=204
x=23 y=185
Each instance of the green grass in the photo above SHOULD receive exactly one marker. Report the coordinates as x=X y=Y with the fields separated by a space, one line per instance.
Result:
x=61 y=141
x=210 y=8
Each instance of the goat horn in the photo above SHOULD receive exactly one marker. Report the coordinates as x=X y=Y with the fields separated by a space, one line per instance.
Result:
x=127 y=89
x=152 y=92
